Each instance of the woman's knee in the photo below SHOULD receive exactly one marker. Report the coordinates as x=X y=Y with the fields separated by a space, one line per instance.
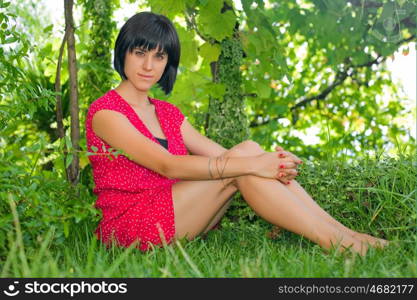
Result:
x=245 y=148
x=249 y=148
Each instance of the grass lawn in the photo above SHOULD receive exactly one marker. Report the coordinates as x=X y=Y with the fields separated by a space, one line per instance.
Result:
x=234 y=251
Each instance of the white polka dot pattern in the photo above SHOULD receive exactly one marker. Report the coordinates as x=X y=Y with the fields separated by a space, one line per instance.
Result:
x=135 y=201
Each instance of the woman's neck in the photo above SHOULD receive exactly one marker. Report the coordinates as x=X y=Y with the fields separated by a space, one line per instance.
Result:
x=133 y=96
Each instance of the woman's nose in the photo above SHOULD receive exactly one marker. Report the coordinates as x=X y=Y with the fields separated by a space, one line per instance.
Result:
x=147 y=63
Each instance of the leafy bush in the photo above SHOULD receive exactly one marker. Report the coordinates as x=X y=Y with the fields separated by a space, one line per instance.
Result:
x=42 y=201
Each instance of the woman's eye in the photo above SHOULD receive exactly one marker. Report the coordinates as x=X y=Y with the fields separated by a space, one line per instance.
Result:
x=160 y=56
x=139 y=52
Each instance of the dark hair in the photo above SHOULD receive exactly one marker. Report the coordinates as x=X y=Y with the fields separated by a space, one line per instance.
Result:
x=149 y=30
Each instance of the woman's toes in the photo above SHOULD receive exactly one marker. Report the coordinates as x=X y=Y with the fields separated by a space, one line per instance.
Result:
x=376 y=242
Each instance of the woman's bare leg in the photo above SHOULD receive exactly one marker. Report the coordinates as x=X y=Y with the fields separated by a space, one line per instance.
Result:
x=277 y=205
x=297 y=189
x=281 y=206
x=254 y=149
x=301 y=194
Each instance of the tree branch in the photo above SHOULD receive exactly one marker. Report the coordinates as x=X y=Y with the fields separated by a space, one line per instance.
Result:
x=73 y=169
x=59 y=113
x=340 y=78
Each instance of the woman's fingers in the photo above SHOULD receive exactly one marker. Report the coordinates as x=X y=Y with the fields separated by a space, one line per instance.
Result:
x=287 y=153
x=287 y=165
x=286 y=175
x=287 y=169
x=295 y=158
x=285 y=180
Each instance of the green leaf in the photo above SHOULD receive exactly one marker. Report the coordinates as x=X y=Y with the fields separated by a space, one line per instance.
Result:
x=48 y=29
x=69 y=159
x=280 y=109
x=116 y=153
x=168 y=8
x=4 y=4
x=11 y=40
x=257 y=43
x=68 y=142
x=210 y=52
x=214 y=23
x=46 y=51
x=263 y=89
x=216 y=90
x=189 y=52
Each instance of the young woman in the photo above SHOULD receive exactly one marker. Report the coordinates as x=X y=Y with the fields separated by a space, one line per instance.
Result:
x=159 y=192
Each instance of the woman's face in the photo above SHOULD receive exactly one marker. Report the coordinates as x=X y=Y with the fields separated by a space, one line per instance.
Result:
x=144 y=68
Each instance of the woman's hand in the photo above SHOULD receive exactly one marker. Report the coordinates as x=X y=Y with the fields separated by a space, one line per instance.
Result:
x=271 y=164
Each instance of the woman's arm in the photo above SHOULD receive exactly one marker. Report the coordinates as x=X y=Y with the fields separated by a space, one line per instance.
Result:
x=114 y=128
x=195 y=167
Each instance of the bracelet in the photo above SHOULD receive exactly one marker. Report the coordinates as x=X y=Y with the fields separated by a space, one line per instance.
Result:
x=227 y=158
x=223 y=170
x=211 y=175
x=218 y=172
x=217 y=159
x=224 y=166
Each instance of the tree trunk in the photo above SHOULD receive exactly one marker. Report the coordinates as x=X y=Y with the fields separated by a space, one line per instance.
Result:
x=227 y=122
x=73 y=168
x=59 y=113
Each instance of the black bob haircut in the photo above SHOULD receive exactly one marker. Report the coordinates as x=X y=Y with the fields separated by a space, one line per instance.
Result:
x=149 y=30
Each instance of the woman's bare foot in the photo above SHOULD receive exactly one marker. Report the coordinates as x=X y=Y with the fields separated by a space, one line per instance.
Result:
x=373 y=241
x=360 y=248
x=351 y=245
x=352 y=249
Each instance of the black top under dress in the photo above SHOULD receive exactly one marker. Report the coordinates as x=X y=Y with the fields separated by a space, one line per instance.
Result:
x=163 y=142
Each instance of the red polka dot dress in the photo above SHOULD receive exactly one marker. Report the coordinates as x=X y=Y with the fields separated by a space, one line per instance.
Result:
x=135 y=201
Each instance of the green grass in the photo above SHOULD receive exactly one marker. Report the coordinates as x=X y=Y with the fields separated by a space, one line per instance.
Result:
x=234 y=251
x=373 y=197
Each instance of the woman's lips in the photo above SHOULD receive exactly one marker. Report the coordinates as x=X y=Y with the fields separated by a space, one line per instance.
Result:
x=145 y=76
